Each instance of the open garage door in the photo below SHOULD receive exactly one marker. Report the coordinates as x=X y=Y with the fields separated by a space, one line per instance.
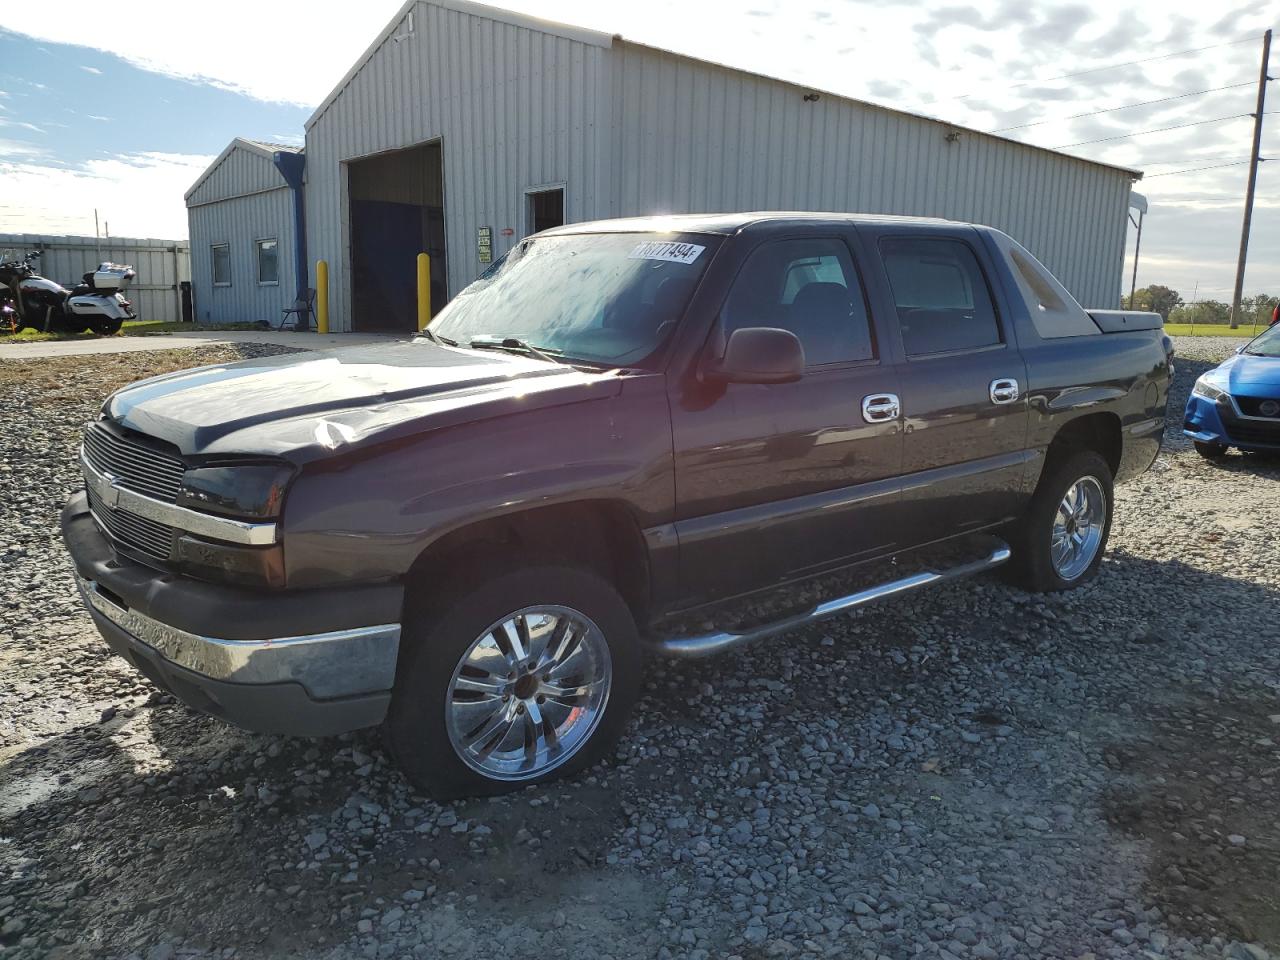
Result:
x=397 y=212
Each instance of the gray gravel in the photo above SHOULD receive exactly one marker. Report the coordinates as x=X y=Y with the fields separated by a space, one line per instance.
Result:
x=968 y=773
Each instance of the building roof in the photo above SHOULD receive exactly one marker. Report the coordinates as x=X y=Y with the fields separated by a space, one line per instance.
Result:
x=259 y=147
x=606 y=40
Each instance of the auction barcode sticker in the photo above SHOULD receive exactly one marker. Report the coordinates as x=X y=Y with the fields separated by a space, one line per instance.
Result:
x=666 y=250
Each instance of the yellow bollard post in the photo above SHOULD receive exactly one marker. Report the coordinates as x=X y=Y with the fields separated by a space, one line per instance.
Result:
x=424 y=290
x=322 y=297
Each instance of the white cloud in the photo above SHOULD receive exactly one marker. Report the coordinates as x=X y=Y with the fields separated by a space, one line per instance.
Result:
x=139 y=194
x=89 y=69
x=17 y=148
x=20 y=123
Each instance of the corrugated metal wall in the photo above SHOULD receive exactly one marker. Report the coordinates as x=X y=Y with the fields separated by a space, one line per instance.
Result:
x=695 y=137
x=241 y=172
x=514 y=108
x=161 y=266
x=241 y=222
x=633 y=130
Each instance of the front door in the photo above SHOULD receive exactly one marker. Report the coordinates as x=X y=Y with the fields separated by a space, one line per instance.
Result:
x=963 y=381
x=780 y=480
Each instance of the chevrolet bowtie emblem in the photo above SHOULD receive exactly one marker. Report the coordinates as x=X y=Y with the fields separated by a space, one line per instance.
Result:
x=108 y=492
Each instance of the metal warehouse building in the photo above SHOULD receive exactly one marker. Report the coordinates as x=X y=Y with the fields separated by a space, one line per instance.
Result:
x=245 y=215
x=465 y=127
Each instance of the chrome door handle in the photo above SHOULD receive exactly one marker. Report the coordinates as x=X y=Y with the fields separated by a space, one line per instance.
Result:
x=1004 y=390
x=880 y=407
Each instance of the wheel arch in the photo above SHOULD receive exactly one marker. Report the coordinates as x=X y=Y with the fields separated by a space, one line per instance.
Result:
x=602 y=535
x=1101 y=432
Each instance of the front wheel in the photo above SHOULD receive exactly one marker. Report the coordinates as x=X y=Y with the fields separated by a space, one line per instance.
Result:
x=525 y=677
x=1210 y=450
x=1060 y=543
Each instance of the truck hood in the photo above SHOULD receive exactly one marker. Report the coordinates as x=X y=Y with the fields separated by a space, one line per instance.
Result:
x=306 y=406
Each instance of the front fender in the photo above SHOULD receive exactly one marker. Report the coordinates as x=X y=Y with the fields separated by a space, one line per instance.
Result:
x=370 y=517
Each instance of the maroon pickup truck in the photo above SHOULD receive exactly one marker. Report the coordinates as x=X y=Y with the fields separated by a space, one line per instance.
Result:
x=472 y=538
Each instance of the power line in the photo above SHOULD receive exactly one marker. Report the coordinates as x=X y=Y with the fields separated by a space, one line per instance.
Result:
x=1127 y=106
x=1140 y=133
x=1216 y=166
x=1114 y=66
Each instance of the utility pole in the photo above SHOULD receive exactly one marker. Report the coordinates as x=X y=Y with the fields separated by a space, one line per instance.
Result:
x=1253 y=182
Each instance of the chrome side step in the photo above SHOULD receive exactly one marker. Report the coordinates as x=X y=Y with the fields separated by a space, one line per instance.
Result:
x=707 y=644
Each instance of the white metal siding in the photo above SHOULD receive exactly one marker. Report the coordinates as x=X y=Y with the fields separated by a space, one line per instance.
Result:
x=241 y=172
x=161 y=266
x=513 y=108
x=239 y=222
x=694 y=137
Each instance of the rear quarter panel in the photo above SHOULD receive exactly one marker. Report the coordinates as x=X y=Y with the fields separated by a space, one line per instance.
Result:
x=1124 y=374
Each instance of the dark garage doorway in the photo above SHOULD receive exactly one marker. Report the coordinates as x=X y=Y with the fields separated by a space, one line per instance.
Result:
x=397 y=212
x=546 y=209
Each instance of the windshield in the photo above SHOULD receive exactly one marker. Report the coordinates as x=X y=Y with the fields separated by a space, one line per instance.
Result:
x=609 y=298
x=1267 y=344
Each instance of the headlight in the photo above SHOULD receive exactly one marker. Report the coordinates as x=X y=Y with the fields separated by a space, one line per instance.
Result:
x=246 y=491
x=1207 y=389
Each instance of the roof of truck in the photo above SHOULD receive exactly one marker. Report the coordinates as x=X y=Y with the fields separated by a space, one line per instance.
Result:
x=725 y=223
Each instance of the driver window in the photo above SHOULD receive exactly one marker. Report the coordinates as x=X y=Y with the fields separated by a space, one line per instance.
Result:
x=809 y=287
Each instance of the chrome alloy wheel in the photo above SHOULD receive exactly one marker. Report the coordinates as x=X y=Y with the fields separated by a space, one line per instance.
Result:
x=528 y=693
x=1077 y=527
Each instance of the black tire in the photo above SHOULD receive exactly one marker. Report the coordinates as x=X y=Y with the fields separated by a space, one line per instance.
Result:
x=105 y=328
x=1032 y=566
x=439 y=633
x=1210 y=450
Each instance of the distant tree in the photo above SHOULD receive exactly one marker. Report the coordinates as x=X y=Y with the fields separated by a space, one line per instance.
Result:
x=1204 y=311
x=1157 y=299
x=1257 y=308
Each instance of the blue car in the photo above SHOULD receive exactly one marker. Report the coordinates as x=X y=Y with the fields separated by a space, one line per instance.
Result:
x=1237 y=403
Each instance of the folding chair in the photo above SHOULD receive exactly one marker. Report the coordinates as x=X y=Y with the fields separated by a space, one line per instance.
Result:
x=302 y=310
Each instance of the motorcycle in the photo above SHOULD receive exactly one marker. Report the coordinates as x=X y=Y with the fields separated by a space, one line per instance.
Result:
x=97 y=303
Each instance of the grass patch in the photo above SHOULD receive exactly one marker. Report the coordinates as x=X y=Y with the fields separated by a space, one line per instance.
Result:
x=1212 y=330
x=131 y=328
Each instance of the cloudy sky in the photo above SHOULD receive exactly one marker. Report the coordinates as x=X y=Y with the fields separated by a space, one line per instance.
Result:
x=124 y=119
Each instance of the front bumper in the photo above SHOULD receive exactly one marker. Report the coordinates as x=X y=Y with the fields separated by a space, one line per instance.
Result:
x=309 y=663
x=1221 y=421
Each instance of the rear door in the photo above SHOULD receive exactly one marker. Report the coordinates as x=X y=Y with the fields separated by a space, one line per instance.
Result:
x=779 y=480
x=962 y=379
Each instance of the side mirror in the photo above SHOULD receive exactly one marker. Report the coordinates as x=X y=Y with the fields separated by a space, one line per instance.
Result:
x=759 y=355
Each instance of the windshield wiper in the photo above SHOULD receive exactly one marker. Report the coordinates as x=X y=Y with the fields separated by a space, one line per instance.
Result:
x=513 y=344
x=436 y=338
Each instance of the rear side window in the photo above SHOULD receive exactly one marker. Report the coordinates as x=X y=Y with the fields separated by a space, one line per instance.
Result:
x=941 y=295
x=808 y=286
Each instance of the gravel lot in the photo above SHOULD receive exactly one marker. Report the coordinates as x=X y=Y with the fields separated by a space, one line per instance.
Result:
x=971 y=772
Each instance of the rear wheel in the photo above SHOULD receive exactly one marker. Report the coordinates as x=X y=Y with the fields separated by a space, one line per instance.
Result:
x=1060 y=543
x=1210 y=450
x=105 y=327
x=526 y=677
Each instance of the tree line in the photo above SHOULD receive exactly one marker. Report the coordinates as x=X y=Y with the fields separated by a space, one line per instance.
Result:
x=1169 y=304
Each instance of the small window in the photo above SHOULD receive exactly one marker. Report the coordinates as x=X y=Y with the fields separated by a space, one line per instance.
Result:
x=810 y=288
x=268 y=263
x=221 y=264
x=941 y=294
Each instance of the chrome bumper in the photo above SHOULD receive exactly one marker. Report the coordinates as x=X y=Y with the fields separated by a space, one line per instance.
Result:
x=343 y=663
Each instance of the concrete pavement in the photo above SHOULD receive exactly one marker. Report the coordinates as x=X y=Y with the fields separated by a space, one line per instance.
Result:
x=90 y=346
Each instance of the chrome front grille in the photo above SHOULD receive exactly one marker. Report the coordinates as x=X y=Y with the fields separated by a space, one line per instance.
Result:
x=144 y=535
x=134 y=465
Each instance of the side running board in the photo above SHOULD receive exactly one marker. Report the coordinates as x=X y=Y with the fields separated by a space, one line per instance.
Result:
x=707 y=644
